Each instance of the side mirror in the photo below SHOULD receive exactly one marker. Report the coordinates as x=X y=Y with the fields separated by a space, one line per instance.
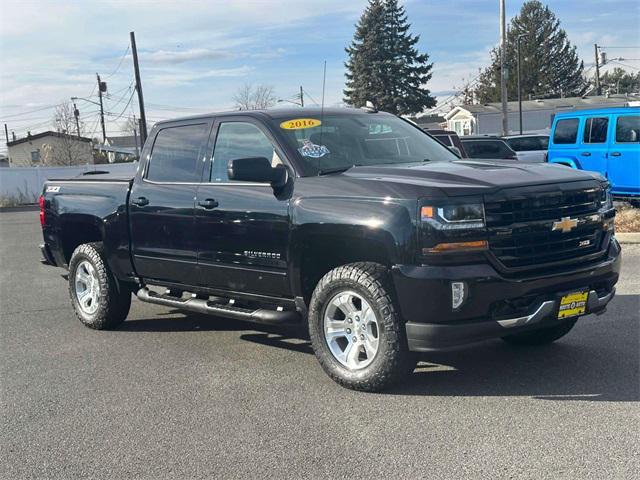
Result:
x=257 y=169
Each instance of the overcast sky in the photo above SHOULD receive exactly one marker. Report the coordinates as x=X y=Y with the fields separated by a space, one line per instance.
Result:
x=194 y=55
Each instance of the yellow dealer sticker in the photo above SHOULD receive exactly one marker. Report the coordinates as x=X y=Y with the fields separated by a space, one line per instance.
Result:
x=300 y=123
x=573 y=304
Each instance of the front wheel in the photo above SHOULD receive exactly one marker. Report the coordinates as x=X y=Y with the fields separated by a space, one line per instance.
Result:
x=356 y=331
x=99 y=302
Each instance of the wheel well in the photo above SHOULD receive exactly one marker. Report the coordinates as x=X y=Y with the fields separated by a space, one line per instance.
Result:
x=321 y=254
x=77 y=234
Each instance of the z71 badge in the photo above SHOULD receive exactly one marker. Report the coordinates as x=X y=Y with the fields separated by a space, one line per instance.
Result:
x=53 y=189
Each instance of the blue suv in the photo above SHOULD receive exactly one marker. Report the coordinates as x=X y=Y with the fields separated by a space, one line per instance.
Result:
x=604 y=140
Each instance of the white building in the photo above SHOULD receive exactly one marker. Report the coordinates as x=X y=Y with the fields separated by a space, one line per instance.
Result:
x=49 y=148
x=537 y=115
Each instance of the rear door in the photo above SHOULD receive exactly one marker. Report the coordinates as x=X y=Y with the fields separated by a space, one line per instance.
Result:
x=624 y=154
x=593 y=143
x=162 y=203
x=242 y=228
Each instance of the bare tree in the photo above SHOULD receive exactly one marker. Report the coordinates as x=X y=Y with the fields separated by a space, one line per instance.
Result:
x=249 y=98
x=67 y=149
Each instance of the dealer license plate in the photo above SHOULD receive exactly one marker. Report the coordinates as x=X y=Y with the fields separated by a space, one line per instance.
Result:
x=573 y=304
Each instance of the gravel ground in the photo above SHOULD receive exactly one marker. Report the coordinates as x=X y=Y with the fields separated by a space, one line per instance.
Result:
x=171 y=395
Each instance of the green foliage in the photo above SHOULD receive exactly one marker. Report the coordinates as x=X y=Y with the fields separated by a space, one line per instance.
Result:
x=384 y=66
x=549 y=64
x=620 y=81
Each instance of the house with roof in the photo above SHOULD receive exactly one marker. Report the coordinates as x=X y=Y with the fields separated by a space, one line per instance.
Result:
x=124 y=148
x=537 y=115
x=49 y=148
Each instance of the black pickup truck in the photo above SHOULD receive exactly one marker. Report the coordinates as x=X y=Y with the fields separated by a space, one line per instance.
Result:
x=353 y=221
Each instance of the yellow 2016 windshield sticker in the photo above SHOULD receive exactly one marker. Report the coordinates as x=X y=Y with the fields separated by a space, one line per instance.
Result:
x=300 y=123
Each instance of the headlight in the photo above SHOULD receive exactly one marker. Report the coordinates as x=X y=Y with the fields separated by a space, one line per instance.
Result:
x=606 y=200
x=453 y=217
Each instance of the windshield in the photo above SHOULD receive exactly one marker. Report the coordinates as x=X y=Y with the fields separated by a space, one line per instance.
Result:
x=347 y=139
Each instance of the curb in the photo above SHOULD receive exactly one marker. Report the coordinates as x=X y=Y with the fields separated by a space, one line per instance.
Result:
x=20 y=208
x=628 y=238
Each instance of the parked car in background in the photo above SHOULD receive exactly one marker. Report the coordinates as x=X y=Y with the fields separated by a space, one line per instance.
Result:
x=450 y=139
x=487 y=147
x=602 y=140
x=529 y=148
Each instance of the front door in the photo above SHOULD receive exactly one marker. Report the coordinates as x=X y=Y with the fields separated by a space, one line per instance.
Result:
x=593 y=148
x=242 y=229
x=162 y=204
x=624 y=155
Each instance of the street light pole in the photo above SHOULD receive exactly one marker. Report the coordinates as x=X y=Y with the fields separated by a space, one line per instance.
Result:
x=598 y=89
x=76 y=113
x=519 y=88
x=503 y=69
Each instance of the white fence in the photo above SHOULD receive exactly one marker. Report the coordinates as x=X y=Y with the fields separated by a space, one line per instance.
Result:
x=25 y=184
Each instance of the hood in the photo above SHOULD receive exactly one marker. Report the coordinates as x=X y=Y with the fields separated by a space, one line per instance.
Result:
x=468 y=177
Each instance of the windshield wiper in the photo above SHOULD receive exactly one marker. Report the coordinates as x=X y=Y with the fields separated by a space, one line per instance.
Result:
x=328 y=171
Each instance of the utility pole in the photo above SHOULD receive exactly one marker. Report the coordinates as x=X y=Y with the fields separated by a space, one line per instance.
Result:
x=519 y=89
x=598 y=89
x=136 y=68
x=76 y=113
x=102 y=87
x=6 y=132
x=503 y=69
x=301 y=97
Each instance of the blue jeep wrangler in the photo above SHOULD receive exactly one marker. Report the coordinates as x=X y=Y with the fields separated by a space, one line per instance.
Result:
x=604 y=140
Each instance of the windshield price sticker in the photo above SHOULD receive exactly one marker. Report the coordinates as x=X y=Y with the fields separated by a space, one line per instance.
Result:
x=300 y=123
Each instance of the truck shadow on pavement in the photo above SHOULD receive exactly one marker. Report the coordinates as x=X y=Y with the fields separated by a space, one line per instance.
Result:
x=599 y=360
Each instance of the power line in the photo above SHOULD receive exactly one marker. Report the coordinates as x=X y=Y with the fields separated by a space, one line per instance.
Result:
x=119 y=63
x=30 y=111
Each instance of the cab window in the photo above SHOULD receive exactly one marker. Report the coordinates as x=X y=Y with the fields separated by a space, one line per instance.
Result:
x=595 y=130
x=566 y=131
x=177 y=152
x=239 y=140
x=628 y=129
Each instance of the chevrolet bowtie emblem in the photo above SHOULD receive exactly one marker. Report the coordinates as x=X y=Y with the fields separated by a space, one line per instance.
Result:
x=566 y=224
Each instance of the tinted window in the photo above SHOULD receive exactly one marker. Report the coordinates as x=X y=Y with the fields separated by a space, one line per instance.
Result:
x=444 y=139
x=628 y=129
x=239 y=140
x=566 y=131
x=595 y=130
x=487 y=149
x=177 y=153
x=522 y=144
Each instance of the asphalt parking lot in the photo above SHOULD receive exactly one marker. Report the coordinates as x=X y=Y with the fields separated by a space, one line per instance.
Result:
x=173 y=395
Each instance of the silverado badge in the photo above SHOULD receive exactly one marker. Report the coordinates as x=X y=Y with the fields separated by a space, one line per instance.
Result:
x=566 y=224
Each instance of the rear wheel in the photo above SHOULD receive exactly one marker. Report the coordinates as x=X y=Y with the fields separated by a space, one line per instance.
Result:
x=99 y=302
x=356 y=331
x=542 y=336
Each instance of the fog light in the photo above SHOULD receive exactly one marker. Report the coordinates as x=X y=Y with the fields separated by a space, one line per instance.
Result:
x=457 y=294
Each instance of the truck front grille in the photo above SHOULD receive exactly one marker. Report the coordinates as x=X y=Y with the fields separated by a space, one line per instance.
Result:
x=520 y=228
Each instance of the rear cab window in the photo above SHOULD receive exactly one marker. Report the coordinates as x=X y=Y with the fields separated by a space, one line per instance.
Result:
x=177 y=153
x=566 y=131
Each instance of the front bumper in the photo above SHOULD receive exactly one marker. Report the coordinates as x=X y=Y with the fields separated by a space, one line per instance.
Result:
x=495 y=305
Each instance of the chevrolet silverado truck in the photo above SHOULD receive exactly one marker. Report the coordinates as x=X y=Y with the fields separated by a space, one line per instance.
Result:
x=353 y=223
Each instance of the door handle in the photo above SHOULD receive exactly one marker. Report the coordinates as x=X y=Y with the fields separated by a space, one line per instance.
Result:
x=140 y=201
x=208 y=203
x=615 y=154
x=586 y=154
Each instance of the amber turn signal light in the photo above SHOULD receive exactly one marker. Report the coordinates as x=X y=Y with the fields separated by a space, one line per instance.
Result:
x=457 y=247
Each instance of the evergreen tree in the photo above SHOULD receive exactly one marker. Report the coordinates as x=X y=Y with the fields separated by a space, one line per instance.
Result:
x=620 y=81
x=549 y=64
x=384 y=66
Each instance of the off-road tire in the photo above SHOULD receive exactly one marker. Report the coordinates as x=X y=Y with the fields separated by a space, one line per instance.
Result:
x=543 y=336
x=114 y=299
x=393 y=361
